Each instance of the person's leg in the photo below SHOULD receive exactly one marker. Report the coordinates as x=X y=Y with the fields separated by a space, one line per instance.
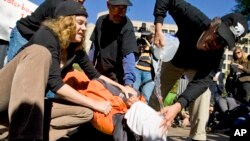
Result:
x=16 y=42
x=231 y=102
x=246 y=91
x=6 y=75
x=169 y=75
x=223 y=105
x=183 y=82
x=3 y=50
x=137 y=82
x=148 y=84
x=199 y=112
x=66 y=117
x=26 y=77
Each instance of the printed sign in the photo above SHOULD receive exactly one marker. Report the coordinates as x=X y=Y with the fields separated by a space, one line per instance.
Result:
x=10 y=12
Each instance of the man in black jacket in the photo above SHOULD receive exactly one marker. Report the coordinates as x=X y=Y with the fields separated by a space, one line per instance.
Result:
x=114 y=44
x=202 y=44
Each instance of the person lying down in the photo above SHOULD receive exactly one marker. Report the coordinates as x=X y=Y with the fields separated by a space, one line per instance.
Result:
x=132 y=112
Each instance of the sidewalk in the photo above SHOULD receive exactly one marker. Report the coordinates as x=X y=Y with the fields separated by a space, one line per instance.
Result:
x=182 y=134
x=174 y=134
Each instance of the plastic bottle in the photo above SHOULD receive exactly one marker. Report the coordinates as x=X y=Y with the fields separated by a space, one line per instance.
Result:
x=167 y=52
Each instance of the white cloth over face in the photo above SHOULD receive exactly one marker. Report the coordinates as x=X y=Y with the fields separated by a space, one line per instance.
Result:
x=145 y=121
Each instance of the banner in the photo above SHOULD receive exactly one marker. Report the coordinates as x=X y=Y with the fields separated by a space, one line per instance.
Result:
x=10 y=12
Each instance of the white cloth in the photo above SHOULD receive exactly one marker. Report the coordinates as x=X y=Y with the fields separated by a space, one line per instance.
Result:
x=145 y=121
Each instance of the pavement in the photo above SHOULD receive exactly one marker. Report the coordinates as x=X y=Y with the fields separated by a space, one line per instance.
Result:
x=182 y=134
x=174 y=134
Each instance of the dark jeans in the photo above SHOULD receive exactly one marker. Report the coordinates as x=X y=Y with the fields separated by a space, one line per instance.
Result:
x=226 y=104
x=3 y=51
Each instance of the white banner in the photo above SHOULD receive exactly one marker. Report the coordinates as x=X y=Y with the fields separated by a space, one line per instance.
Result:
x=10 y=12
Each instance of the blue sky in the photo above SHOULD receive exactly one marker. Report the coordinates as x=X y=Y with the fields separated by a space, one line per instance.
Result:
x=142 y=10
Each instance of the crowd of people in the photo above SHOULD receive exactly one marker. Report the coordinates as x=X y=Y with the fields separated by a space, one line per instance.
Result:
x=116 y=77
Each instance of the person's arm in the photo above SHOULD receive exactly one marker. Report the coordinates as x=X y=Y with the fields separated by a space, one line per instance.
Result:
x=248 y=68
x=195 y=88
x=160 y=11
x=159 y=38
x=33 y=21
x=129 y=69
x=128 y=46
x=245 y=68
x=46 y=38
x=68 y=93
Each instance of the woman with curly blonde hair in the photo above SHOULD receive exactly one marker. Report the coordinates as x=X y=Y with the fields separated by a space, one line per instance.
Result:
x=240 y=67
x=27 y=26
x=39 y=66
x=67 y=23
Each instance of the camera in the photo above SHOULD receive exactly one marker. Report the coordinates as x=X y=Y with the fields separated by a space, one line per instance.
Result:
x=141 y=41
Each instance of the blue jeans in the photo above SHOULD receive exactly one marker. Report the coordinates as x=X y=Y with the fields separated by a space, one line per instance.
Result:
x=16 y=42
x=141 y=78
x=3 y=50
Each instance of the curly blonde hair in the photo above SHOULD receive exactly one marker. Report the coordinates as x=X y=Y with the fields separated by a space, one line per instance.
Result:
x=243 y=58
x=65 y=29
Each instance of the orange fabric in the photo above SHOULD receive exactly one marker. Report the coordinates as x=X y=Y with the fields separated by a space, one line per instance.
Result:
x=96 y=90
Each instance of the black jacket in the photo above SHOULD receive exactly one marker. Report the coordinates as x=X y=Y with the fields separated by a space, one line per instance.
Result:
x=28 y=25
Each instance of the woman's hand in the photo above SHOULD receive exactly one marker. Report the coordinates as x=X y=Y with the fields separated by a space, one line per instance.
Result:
x=103 y=107
x=131 y=100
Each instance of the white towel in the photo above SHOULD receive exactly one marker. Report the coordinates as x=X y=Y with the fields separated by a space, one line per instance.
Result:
x=145 y=121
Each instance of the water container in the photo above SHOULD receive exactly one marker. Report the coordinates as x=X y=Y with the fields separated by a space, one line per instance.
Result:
x=167 y=52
